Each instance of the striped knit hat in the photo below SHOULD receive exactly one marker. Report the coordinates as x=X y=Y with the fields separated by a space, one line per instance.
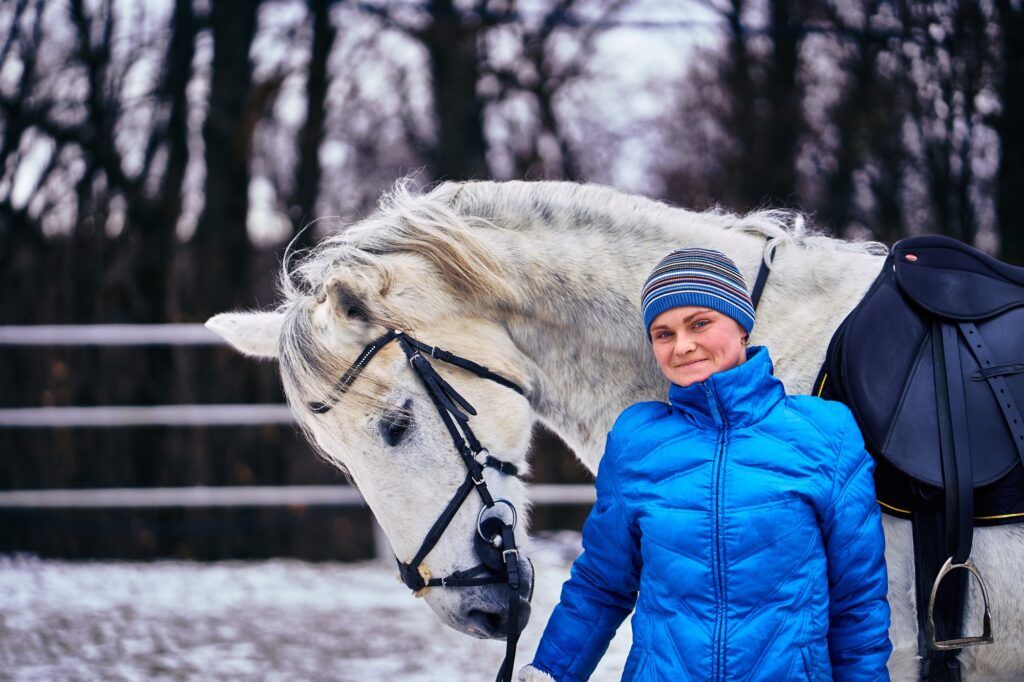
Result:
x=699 y=277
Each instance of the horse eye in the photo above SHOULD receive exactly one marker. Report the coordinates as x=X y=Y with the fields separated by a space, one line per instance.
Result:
x=395 y=427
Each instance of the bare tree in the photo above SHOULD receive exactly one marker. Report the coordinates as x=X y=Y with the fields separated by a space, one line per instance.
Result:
x=1010 y=183
x=219 y=249
x=752 y=99
x=896 y=142
x=308 y=170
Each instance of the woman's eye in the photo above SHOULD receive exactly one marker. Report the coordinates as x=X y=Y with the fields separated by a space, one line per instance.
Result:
x=395 y=427
x=700 y=324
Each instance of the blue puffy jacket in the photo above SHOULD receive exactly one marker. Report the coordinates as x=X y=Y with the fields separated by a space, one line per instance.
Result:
x=747 y=521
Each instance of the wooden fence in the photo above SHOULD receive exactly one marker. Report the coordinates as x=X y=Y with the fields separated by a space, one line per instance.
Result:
x=126 y=416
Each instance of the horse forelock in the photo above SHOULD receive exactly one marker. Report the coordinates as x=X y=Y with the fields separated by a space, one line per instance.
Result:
x=310 y=371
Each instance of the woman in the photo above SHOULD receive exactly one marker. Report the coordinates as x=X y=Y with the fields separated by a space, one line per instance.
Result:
x=744 y=518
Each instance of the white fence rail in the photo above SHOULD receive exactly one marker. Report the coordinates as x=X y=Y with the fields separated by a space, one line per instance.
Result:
x=238 y=496
x=157 y=415
x=109 y=335
x=180 y=415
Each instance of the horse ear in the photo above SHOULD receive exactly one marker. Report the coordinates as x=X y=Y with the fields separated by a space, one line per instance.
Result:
x=252 y=334
x=348 y=305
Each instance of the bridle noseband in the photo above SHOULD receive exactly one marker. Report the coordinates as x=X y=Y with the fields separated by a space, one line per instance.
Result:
x=494 y=540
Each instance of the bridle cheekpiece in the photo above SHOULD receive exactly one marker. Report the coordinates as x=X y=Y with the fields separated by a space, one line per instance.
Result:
x=494 y=540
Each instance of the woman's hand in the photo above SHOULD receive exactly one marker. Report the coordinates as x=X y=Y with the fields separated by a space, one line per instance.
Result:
x=530 y=674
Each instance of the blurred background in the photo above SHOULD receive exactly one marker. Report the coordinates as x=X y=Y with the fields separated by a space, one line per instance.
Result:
x=157 y=155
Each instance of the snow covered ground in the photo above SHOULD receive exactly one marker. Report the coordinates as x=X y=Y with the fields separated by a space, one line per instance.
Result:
x=270 y=620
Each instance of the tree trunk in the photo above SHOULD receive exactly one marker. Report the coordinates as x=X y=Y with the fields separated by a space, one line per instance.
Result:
x=307 y=175
x=221 y=241
x=741 y=121
x=1010 y=182
x=461 y=150
x=777 y=162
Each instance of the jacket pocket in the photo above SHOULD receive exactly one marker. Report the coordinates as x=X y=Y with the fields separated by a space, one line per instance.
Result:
x=636 y=663
x=816 y=664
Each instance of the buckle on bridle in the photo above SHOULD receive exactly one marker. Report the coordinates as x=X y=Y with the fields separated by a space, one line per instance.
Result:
x=505 y=553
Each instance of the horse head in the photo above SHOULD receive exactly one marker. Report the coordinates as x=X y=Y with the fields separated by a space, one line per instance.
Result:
x=384 y=427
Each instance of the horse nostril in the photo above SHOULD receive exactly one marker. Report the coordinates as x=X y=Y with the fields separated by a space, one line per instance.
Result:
x=493 y=624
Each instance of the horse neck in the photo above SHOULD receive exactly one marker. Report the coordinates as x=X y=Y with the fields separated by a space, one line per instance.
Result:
x=577 y=256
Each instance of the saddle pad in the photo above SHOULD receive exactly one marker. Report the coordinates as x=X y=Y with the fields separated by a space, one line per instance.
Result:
x=880 y=361
x=995 y=504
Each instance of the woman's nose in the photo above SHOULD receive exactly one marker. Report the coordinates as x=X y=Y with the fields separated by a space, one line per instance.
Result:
x=684 y=344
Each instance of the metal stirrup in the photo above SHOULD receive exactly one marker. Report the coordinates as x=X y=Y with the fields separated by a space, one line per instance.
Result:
x=986 y=636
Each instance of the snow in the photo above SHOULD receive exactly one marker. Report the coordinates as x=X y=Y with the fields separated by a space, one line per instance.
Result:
x=270 y=620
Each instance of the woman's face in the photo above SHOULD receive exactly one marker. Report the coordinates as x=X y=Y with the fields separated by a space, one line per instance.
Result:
x=692 y=343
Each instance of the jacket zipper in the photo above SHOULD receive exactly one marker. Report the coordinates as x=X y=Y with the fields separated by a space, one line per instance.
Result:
x=717 y=564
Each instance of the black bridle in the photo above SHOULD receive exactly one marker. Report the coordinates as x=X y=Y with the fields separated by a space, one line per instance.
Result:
x=494 y=541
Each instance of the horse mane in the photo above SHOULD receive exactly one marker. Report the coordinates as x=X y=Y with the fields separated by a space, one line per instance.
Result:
x=442 y=226
x=406 y=222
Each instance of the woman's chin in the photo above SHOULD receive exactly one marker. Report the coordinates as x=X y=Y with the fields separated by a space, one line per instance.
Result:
x=685 y=379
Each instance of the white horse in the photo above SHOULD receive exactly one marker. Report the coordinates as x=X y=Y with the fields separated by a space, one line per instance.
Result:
x=541 y=282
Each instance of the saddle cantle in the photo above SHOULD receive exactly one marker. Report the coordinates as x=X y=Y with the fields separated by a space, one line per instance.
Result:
x=931 y=363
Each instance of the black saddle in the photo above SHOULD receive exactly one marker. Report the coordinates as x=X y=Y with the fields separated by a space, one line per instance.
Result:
x=931 y=362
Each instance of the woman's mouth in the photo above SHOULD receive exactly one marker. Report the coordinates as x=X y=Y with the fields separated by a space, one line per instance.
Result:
x=691 y=363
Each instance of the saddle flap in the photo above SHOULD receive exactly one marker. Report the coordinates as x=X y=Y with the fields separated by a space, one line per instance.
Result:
x=912 y=441
x=953 y=280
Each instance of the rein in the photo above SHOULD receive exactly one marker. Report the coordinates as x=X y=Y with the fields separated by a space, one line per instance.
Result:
x=495 y=542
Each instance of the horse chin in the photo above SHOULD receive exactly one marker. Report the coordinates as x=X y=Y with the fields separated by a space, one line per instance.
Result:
x=489 y=618
x=483 y=612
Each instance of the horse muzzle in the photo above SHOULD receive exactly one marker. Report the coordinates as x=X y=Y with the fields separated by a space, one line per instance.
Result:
x=484 y=611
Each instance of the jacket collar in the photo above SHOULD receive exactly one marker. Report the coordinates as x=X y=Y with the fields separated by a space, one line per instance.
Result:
x=736 y=397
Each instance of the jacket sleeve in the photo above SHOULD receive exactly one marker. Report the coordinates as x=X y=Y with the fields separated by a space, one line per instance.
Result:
x=602 y=587
x=858 y=635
